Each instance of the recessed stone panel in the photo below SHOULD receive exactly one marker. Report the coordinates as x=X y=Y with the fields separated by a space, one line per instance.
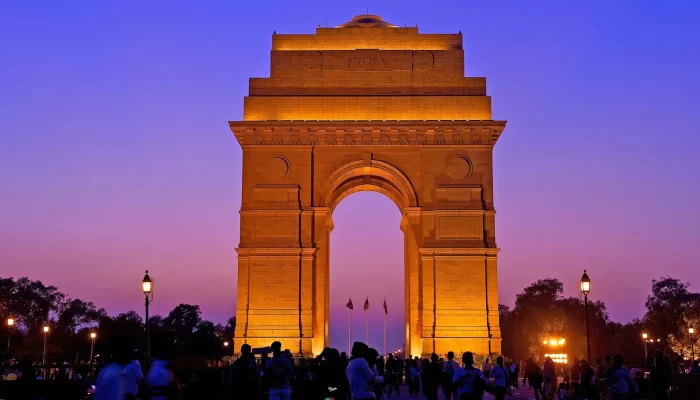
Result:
x=459 y=227
x=276 y=226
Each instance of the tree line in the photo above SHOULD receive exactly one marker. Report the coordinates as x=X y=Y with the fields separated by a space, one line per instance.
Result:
x=541 y=313
x=33 y=305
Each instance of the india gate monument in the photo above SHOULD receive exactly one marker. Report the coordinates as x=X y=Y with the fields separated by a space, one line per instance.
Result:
x=368 y=105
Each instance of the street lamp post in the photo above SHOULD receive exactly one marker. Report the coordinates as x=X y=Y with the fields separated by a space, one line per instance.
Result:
x=585 y=289
x=93 y=335
x=691 y=331
x=46 y=341
x=10 y=325
x=646 y=350
x=147 y=286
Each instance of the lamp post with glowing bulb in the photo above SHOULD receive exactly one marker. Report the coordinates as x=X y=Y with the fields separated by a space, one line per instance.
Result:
x=585 y=289
x=46 y=341
x=147 y=286
x=691 y=331
x=10 y=325
x=646 y=351
x=93 y=336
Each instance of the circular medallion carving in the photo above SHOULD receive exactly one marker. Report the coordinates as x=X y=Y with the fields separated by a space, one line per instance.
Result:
x=312 y=60
x=458 y=167
x=423 y=60
x=279 y=166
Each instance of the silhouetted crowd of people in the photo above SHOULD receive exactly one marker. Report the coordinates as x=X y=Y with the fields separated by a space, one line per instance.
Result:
x=273 y=373
x=366 y=375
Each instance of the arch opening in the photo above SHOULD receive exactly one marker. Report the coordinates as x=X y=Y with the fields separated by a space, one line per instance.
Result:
x=367 y=262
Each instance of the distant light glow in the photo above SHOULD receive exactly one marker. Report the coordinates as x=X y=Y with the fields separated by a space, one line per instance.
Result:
x=558 y=358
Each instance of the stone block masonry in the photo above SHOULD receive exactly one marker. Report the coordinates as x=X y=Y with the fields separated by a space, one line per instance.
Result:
x=368 y=106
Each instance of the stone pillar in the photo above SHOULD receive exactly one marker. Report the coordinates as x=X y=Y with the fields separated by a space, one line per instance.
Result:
x=460 y=300
x=323 y=225
x=412 y=229
x=271 y=303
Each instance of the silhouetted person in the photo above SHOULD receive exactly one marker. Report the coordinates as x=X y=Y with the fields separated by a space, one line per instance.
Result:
x=245 y=378
x=695 y=369
x=587 y=387
x=360 y=376
x=536 y=379
x=660 y=377
x=500 y=379
x=470 y=381
x=413 y=377
x=111 y=382
x=448 y=371
x=278 y=372
x=514 y=373
x=160 y=379
x=620 y=381
x=393 y=374
x=372 y=358
x=431 y=376
x=134 y=377
x=576 y=371
x=549 y=376
x=486 y=367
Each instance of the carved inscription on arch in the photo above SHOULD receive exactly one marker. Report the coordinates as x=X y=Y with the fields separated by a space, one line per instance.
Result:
x=356 y=61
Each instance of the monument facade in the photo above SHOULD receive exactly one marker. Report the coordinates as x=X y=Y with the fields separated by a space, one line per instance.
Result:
x=368 y=106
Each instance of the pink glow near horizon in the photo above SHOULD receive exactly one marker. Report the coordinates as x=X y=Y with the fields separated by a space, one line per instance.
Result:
x=115 y=154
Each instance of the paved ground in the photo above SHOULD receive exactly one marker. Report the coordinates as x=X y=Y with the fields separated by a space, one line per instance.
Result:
x=523 y=393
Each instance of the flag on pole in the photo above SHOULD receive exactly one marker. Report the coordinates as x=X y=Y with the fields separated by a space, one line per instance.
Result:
x=366 y=304
x=349 y=305
x=385 y=310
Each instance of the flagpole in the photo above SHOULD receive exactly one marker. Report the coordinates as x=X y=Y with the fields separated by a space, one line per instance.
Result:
x=385 y=335
x=366 y=329
x=349 y=330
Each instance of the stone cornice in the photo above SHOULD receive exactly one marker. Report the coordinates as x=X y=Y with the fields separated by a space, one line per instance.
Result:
x=458 y=251
x=367 y=133
x=274 y=251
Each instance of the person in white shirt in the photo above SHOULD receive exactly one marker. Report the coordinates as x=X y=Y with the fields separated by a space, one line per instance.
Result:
x=134 y=377
x=499 y=374
x=372 y=356
x=360 y=377
x=111 y=382
x=160 y=378
x=470 y=381
x=448 y=370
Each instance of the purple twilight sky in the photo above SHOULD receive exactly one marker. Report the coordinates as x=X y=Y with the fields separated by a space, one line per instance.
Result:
x=116 y=157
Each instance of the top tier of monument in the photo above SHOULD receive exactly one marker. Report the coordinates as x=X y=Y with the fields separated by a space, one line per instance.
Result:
x=367 y=69
x=367 y=32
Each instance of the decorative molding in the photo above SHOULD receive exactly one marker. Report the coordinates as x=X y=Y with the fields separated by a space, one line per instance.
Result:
x=367 y=133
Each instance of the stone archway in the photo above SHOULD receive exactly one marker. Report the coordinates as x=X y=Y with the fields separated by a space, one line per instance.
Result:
x=421 y=136
x=365 y=174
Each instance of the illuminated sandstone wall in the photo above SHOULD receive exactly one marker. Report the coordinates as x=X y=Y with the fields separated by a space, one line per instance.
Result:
x=367 y=108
